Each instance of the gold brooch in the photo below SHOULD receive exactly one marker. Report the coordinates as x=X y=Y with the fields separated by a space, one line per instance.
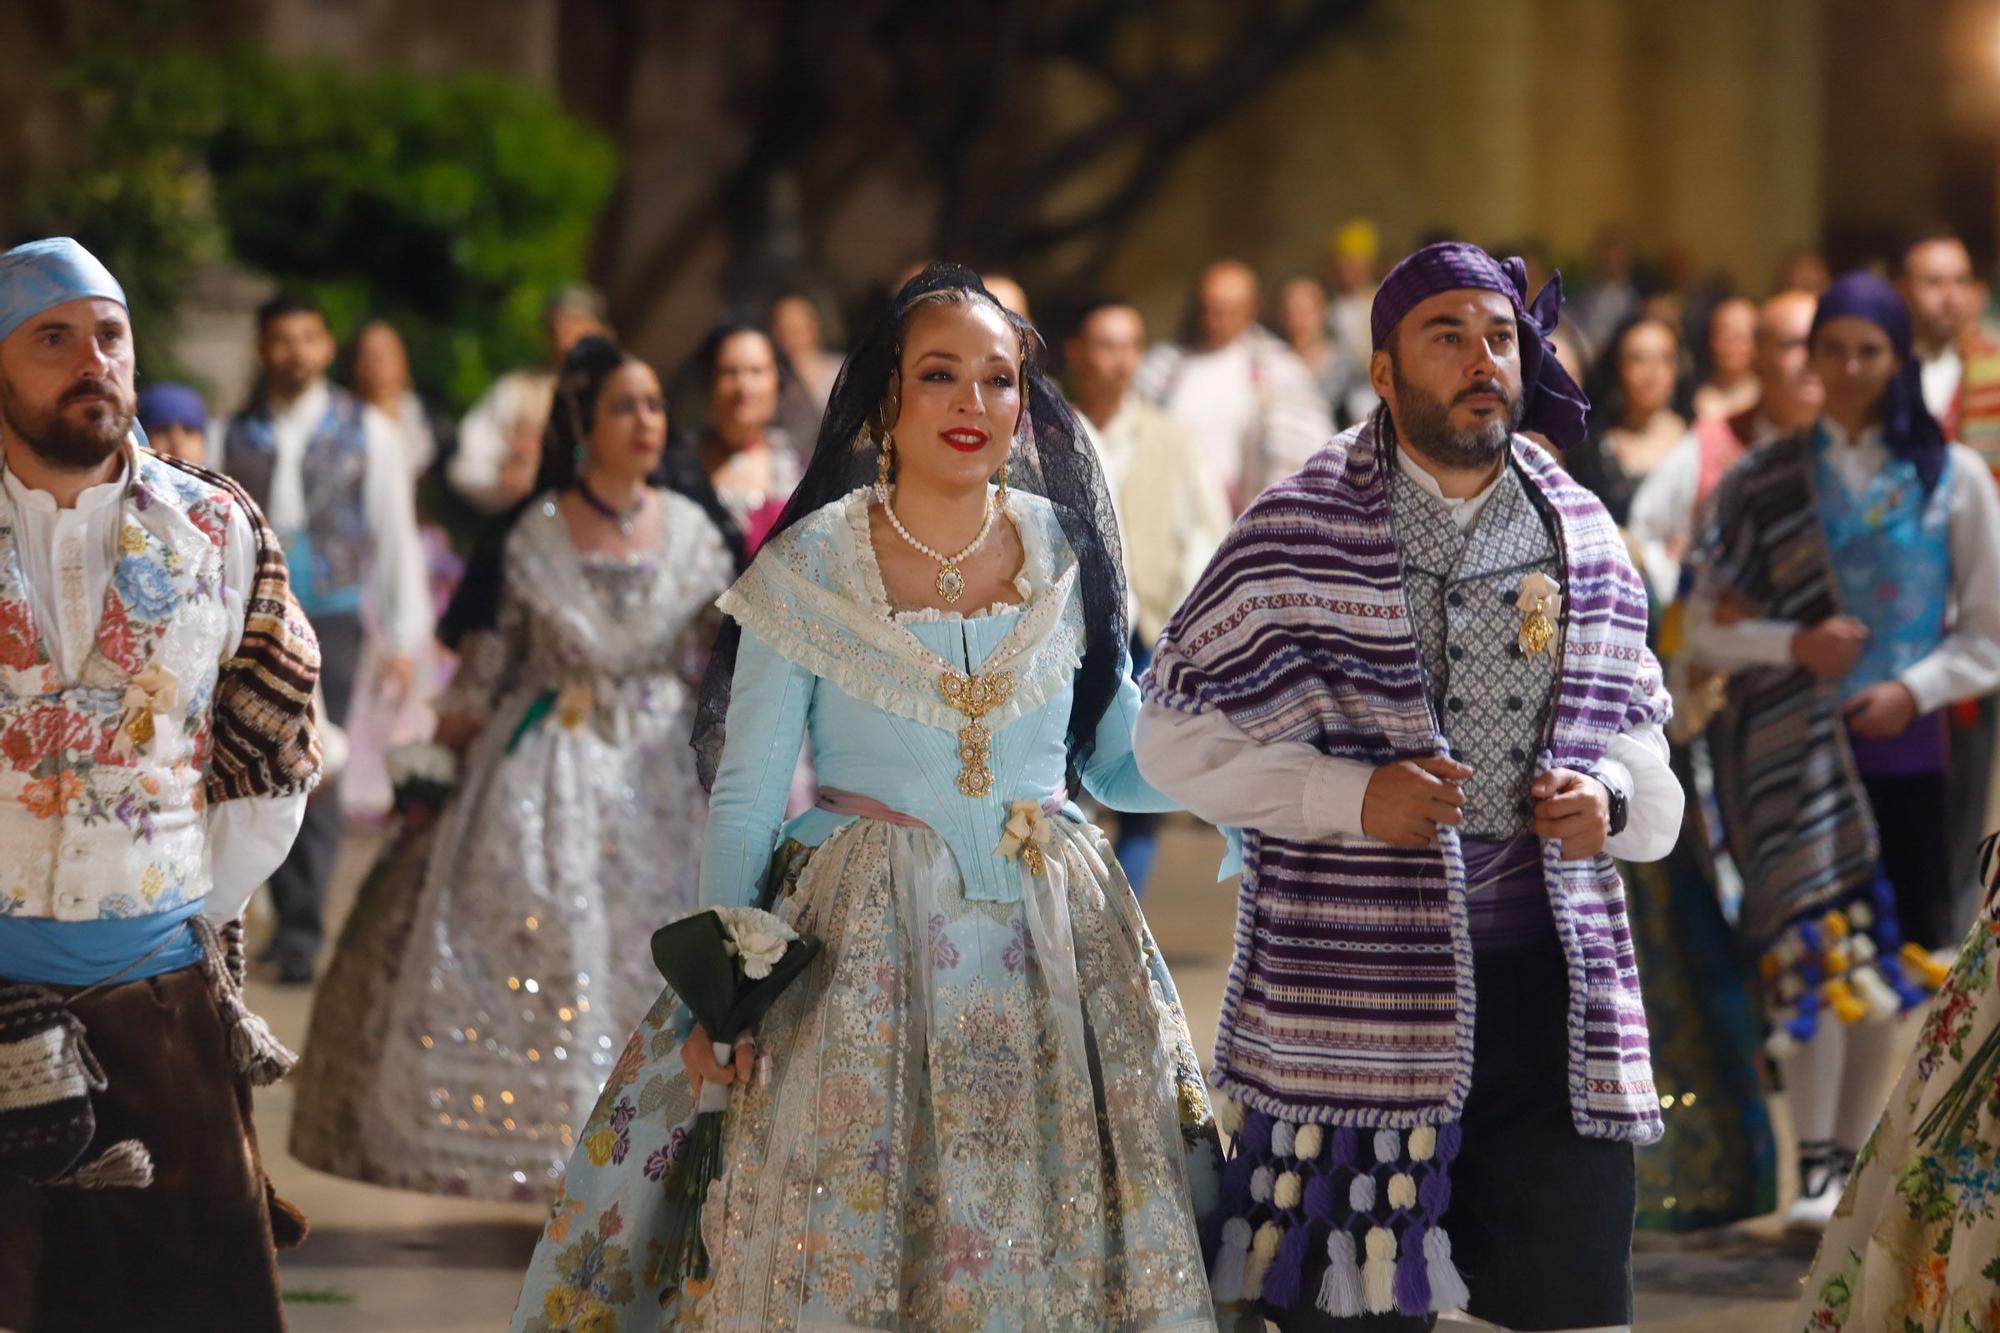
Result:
x=1538 y=604
x=1027 y=837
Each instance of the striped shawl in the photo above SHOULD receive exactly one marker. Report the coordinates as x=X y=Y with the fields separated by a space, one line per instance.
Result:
x=1350 y=997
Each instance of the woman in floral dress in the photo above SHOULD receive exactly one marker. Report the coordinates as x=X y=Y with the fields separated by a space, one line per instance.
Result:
x=486 y=977
x=973 y=1110
x=1914 y=1246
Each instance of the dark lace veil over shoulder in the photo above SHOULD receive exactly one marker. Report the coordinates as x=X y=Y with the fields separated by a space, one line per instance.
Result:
x=1052 y=457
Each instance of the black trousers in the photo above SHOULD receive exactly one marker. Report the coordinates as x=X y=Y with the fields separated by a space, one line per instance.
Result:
x=1540 y=1217
x=1913 y=816
x=298 y=887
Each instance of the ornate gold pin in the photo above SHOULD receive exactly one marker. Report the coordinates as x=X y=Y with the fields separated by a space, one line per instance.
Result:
x=1539 y=603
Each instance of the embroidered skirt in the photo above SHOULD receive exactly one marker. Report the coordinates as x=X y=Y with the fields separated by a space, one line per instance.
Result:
x=946 y=1140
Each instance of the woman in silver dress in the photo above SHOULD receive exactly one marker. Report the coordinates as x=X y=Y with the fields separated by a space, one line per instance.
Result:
x=488 y=976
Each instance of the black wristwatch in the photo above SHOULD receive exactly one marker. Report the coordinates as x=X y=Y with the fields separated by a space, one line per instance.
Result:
x=1620 y=808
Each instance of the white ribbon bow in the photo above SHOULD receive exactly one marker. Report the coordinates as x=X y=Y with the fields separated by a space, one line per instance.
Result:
x=1027 y=837
x=153 y=692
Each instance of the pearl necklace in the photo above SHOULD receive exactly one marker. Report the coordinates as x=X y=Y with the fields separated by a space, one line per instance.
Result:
x=950 y=581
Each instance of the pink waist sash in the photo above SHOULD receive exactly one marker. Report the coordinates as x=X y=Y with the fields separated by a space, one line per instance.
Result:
x=852 y=804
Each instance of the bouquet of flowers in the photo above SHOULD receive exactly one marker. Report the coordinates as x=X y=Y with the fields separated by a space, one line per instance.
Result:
x=728 y=965
x=422 y=776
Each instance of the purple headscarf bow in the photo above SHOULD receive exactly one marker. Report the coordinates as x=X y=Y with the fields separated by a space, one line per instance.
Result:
x=1908 y=427
x=1553 y=406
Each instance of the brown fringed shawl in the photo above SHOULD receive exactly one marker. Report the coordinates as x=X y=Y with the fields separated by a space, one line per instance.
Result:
x=265 y=743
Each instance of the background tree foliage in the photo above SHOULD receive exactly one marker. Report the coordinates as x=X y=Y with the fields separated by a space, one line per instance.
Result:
x=451 y=206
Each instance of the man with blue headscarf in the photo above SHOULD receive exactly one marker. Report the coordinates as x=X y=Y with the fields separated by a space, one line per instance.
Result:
x=1850 y=578
x=156 y=749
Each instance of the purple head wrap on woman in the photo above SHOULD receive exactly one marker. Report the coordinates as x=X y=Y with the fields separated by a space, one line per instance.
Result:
x=1908 y=427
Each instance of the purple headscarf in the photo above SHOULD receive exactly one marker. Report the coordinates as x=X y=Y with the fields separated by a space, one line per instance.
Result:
x=1908 y=427
x=1552 y=404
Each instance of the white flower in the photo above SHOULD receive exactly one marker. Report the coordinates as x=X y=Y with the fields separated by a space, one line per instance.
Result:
x=422 y=763
x=756 y=939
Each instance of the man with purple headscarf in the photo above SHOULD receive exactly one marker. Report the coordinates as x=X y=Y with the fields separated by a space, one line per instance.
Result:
x=1850 y=578
x=1416 y=676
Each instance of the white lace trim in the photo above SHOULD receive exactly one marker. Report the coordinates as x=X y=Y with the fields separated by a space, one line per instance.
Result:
x=815 y=595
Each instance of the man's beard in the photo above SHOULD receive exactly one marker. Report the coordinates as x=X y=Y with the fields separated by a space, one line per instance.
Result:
x=65 y=444
x=1424 y=424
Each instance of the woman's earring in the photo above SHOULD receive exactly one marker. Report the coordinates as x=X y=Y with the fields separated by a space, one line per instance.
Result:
x=882 y=454
x=1001 y=498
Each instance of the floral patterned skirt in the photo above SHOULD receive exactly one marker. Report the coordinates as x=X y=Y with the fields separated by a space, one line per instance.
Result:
x=1915 y=1243
x=972 y=1118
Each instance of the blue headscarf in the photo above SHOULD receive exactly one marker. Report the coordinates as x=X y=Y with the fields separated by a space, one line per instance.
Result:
x=41 y=275
x=1908 y=427
x=167 y=404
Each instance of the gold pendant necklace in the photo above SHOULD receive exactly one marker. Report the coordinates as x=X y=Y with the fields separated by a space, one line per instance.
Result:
x=950 y=578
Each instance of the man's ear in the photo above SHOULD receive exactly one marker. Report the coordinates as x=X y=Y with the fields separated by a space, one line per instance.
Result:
x=1382 y=375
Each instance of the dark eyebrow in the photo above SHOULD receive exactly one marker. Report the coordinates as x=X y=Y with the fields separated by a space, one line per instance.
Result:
x=1444 y=322
x=941 y=355
x=48 y=324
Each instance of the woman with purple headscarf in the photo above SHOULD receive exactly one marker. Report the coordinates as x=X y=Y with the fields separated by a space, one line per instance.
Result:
x=1850 y=579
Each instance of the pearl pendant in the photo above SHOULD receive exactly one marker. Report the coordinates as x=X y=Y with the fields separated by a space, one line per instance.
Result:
x=950 y=583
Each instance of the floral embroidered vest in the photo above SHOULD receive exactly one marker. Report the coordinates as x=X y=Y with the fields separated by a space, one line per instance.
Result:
x=329 y=557
x=101 y=805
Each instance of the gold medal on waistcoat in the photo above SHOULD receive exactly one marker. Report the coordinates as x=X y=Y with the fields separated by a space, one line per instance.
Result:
x=1538 y=605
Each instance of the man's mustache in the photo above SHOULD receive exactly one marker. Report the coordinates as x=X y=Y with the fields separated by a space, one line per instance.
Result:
x=1491 y=387
x=89 y=389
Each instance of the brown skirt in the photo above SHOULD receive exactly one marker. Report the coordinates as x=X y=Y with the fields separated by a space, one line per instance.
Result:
x=195 y=1249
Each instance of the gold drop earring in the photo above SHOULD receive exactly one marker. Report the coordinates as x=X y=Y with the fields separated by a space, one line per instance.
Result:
x=883 y=452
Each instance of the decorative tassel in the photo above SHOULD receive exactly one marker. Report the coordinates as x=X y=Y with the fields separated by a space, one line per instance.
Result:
x=124 y=1165
x=1413 y=1279
x=1435 y=1194
x=1283 y=1137
x=1928 y=970
x=1342 y=1148
x=1340 y=1289
x=1260 y=1184
x=1423 y=1143
x=1256 y=1138
x=1306 y=1144
x=1288 y=1270
x=1361 y=1195
x=1388 y=1146
x=1448 y=1290
x=1860 y=915
x=1228 y=1116
x=1225 y=1280
x=1402 y=1190
x=1449 y=1137
x=1781 y=1045
x=1378 y=1275
x=1320 y=1199
x=1840 y=997
x=1875 y=993
x=1288 y=1190
x=256 y=1051
x=1263 y=1253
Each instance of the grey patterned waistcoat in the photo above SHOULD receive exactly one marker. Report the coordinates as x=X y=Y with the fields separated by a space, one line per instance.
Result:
x=1491 y=699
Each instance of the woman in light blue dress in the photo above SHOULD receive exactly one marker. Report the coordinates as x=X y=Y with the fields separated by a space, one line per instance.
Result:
x=975 y=1110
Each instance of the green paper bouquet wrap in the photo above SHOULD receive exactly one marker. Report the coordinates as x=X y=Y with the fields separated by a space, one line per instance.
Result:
x=728 y=966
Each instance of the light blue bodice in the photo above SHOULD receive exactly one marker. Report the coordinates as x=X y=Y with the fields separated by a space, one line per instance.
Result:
x=823 y=656
x=1891 y=552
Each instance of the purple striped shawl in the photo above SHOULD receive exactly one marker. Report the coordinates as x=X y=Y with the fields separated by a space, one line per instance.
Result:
x=1349 y=999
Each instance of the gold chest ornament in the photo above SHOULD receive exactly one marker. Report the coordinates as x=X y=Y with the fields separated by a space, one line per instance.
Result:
x=975 y=696
x=1539 y=603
